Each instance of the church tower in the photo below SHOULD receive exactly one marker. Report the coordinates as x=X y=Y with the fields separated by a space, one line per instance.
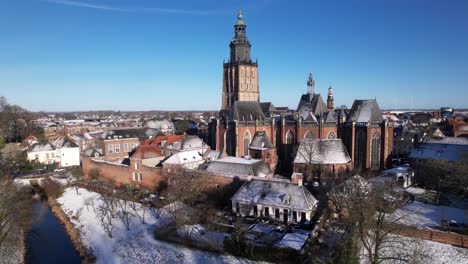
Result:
x=240 y=74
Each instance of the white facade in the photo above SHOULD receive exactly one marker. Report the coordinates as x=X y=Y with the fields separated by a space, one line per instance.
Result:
x=65 y=156
x=69 y=156
x=44 y=156
x=274 y=212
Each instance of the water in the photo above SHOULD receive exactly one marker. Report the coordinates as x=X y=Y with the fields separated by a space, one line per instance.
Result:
x=48 y=242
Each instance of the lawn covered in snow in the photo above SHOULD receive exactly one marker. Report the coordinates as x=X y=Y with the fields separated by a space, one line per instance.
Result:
x=427 y=216
x=422 y=251
x=134 y=246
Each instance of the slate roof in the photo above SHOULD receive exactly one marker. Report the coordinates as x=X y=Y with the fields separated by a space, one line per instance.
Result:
x=311 y=103
x=276 y=194
x=239 y=166
x=308 y=116
x=323 y=151
x=448 y=152
x=246 y=111
x=329 y=117
x=268 y=108
x=365 y=111
x=260 y=141
x=132 y=133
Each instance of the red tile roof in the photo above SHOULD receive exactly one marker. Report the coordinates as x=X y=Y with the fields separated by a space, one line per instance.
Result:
x=147 y=152
x=169 y=140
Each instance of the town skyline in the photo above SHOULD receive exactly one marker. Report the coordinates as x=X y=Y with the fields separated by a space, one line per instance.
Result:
x=358 y=59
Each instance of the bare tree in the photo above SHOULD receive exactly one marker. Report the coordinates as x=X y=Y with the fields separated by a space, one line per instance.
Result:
x=364 y=210
x=442 y=175
x=77 y=174
x=124 y=213
x=308 y=153
x=139 y=210
x=15 y=216
x=105 y=218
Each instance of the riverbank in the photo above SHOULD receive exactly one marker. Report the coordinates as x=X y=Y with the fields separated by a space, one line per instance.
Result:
x=136 y=244
x=73 y=233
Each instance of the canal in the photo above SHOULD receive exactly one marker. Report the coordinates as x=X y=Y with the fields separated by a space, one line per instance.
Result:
x=48 y=242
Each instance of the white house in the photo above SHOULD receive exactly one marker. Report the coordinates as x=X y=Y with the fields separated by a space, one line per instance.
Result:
x=43 y=153
x=67 y=154
x=280 y=200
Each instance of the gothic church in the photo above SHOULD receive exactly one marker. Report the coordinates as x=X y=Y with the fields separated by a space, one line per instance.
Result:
x=248 y=127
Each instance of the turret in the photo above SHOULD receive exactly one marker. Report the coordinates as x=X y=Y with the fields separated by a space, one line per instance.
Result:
x=311 y=84
x=330 y=103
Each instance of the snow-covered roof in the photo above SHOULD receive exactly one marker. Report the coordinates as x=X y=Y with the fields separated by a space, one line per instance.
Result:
x=276 y=194
x=295 y=240
x=239 y=166
x=311 y=103
x=42 y=147
x=449 y=152
x=184 y=157
x=450 y=140
x=92 y=152
x=322 y=151
x=191 y=142
x=131 y=133
x=260 y=141
x=160 y=124
x=365 y=111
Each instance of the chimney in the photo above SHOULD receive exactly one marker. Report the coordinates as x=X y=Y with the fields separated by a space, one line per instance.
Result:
x=297 y=178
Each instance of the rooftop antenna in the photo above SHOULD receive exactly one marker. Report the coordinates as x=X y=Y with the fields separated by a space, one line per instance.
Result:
x=411 y=104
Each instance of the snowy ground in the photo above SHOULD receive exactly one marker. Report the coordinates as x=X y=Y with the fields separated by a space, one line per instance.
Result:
x=428 y=216
x=415 y=190
x=424 y=251
x=135 y=246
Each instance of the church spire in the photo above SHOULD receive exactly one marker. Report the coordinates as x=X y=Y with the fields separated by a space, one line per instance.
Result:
x=330 y=103
x=311 y=84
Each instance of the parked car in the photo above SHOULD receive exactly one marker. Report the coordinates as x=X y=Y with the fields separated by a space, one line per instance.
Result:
x=59 y=170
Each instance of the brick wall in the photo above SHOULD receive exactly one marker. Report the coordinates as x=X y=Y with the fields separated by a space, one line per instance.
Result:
x=122 y=174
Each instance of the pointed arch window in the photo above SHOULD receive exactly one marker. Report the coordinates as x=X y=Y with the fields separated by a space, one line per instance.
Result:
x=360 y=150
x=331 y=135
x=375 y=152
x=289 y=138
x=246 y=143
x=290 y=141
x=308 y=135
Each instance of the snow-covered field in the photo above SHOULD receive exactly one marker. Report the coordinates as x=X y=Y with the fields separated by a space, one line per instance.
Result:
x=427 y=216
x=424 y=251
x=135 y=246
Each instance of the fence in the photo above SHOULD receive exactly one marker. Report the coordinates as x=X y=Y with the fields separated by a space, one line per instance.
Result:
x=453 y=239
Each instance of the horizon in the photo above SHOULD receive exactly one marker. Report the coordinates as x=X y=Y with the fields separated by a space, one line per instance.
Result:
x=143 y=55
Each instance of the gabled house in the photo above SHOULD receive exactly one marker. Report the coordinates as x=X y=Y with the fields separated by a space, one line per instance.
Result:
x=279 y=200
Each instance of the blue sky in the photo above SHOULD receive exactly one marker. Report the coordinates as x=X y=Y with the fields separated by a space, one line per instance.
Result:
x=68 y=55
